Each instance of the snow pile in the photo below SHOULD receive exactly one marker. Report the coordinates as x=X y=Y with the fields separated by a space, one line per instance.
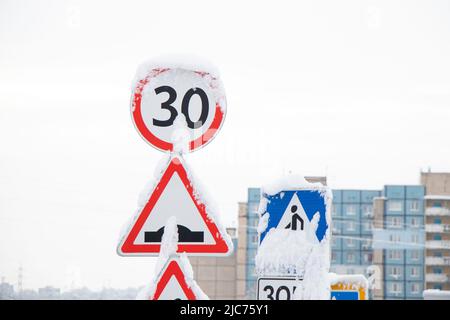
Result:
x=315 y=284
x=189 y=277
x=349 y=281
x=263 y=222
x=169 y=245
x=210 y=74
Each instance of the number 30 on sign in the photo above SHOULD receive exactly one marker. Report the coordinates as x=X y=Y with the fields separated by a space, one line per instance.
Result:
x=276 y=288
x=166 y=94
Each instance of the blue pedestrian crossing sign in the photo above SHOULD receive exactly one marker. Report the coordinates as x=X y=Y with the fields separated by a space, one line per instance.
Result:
x=297 y=210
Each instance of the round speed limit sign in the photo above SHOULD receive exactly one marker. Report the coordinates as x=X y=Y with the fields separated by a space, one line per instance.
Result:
x=166 y=100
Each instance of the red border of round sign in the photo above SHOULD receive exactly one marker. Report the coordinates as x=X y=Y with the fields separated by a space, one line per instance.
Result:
x=162 y=145
x=129 y=248
x=173 y=269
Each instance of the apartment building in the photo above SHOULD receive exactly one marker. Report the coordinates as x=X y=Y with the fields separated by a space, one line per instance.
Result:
x=437 y=227
x=399 y=241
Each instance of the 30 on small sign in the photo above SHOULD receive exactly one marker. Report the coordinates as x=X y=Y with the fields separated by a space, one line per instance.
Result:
x=276 y=288
x=169 y=102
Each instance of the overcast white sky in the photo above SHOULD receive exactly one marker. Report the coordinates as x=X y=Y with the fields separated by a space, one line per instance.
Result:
x=355 y=90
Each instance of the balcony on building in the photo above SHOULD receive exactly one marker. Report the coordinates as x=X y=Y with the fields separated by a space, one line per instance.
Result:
x=437 y=261
x=437 y=228
x=437 y=211
x=438 y=244
x=436 y=277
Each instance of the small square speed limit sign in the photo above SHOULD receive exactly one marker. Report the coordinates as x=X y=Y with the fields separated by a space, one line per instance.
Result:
x=276 y=288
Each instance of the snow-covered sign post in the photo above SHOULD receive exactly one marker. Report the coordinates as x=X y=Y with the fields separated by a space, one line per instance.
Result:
x=293 y=258
x=178 y=105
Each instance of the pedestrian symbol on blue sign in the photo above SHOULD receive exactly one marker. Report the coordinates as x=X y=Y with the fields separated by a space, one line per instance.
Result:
x=298 y=211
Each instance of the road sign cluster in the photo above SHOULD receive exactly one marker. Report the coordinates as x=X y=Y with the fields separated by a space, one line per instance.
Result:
x=166 y=103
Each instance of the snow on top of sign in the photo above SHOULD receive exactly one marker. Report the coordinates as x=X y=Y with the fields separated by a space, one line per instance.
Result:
x=185 y=62
x=290 y=182
x=178 y=61
x=349 y=281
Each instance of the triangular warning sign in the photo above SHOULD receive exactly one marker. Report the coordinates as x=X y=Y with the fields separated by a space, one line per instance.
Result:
x=172 y=285
x=175 y=195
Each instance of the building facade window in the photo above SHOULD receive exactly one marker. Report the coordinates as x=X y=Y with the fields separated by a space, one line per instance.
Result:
x=414 y=272
x=437 y=270
x=253 y=207
x=394 y=254
x=367 y=210
x=437 y=237
x=415 y=288
x=437 y=221
x=414 y=205
x=367 y=225
x=415 y=222
x=395 y=288
x=333 y=210
x=395 y=205
x=415 y=238
x=394 y=238
x=394 y=271
x=351 y=210
x=254 y=239
x=367 y=258
x=350 y=257
x=395 y=222
x=351 y=226
x=415 y=255
x=437 y=204
x=350 y=243
x=366 y=244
